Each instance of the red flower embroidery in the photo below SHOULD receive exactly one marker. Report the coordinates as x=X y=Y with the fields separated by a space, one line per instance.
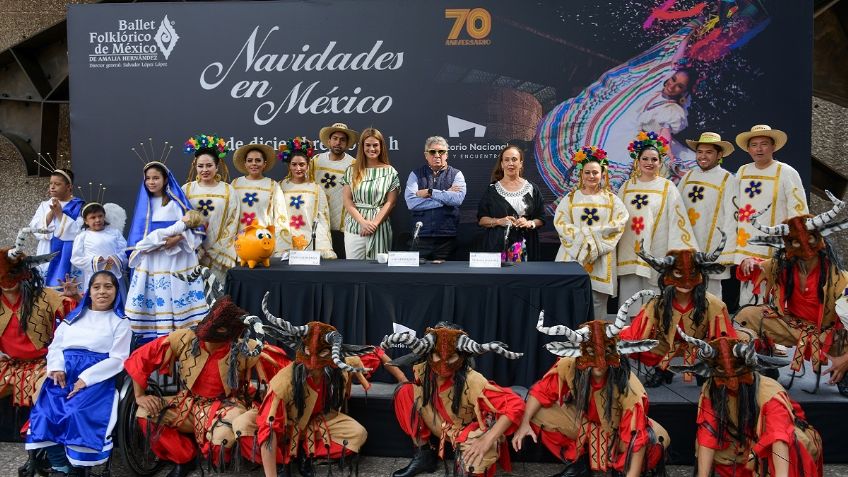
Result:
x=637 y=225
x=297 y=222
x=247 y=217
x=746 y=212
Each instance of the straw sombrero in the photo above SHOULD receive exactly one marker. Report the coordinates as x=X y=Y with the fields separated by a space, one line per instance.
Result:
x=778 y=136
x=714 y=139
x=241 y=154
x=325 y=133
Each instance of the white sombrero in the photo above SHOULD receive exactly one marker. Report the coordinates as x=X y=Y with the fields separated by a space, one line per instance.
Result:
x=779 y=137
x=714 y=139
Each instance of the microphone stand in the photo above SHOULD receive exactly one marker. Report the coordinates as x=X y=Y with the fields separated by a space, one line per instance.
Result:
x=505 y=262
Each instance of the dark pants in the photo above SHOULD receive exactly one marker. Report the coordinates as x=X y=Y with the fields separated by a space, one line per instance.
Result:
x=435 y=248
x=337 y=236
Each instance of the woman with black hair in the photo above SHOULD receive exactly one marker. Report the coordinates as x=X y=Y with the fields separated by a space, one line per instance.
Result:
x=213 y=196
x=163 y=237
x=449 y=401
x=77 y=406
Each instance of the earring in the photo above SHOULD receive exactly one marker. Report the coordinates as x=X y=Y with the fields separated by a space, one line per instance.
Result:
x=218 y=177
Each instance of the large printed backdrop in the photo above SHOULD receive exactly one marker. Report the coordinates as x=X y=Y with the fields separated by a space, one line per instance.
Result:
x=546 y=75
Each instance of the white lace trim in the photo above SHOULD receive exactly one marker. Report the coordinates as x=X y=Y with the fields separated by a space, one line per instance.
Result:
x=525 y=189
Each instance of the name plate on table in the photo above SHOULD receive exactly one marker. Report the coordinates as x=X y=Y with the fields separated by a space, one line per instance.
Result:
x=304 y=257
x=484 y=260
x=403 y=259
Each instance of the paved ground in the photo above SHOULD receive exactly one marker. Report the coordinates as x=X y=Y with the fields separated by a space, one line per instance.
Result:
x=12 y=455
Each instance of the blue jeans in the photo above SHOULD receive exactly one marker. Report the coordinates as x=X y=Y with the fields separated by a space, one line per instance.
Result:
x=58 y=459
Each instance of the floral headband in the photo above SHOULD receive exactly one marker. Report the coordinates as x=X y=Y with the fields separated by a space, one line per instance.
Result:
x=588 y=154
x=295 y=144
x=203 y=141
x=645 y=140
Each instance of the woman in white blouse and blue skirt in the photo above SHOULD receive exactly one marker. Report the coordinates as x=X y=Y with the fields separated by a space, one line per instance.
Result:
x=77 y=407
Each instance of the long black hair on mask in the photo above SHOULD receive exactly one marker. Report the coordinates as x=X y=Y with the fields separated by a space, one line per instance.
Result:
x=332 y=384
x=746 y=411
x=31 y=291
x=617 y=381
x=829 y=265
x=431 y=386
x=664 y=308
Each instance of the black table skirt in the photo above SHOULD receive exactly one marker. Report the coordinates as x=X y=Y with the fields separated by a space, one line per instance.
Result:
x=364 y=299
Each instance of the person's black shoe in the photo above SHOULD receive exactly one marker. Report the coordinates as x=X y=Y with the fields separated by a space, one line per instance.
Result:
x=36 y=463
x=283 y=470
x=304 y=466
x=423 y=461
x=578 y=468
x=842 y=386
x=658 y=377
x=182 y=470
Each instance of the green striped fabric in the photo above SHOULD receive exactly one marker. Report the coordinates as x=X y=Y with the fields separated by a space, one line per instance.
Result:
x=369 y=196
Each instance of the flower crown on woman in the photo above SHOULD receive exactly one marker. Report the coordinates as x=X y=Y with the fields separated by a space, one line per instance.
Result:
x=293 y=145
x=212 y=144
x=587 y=154
x=645 y=140
x=207 y=141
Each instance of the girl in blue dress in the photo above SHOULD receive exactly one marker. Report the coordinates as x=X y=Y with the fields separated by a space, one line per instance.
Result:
x=77 y=407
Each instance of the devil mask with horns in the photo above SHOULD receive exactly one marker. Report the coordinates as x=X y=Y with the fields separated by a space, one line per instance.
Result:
x=15 y=265
x=685 y=268
x=445 y=348
x=595 y=344
x=801 y=236
x=317 y=345
x=729 y=362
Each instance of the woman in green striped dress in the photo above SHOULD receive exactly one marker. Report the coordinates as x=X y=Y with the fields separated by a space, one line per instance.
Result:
x=370 y=192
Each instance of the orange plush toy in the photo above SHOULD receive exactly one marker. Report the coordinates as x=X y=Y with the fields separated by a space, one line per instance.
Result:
x=255 y=245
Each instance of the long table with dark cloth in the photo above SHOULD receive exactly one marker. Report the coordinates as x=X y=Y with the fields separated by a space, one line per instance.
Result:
x=364 y=299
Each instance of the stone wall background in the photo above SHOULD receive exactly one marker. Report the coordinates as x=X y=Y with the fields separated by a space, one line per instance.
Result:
x=20 y=194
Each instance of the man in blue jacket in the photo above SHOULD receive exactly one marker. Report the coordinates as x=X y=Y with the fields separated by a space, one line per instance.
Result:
x=433 y=195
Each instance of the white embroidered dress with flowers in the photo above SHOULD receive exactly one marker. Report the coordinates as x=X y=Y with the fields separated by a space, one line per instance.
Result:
x=657 y=217
x=589 y=228
x=263 y=201
x=305 y=203
x=220 y=210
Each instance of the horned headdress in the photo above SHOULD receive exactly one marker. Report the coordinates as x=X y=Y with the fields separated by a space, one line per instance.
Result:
x=444 y=341
x=15 y=265
x=596 y=343
x=686 y=268
x=729 y=361
x=802 y=235
x=317 y=344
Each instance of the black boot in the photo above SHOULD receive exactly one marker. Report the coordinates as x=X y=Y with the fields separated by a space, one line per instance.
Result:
x=182 y=470
x=304 y=466
x=423 y=461
x=842 y=386
x=283 y=470
x=656 y=378
x=578 y=468
x=36 y=463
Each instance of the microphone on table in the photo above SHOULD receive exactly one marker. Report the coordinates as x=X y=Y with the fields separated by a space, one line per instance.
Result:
x=506 y=243
x=418 y=226
x=312 y=239
x=314 y=231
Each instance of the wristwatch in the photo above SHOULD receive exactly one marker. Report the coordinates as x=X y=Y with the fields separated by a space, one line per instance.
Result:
x=430 y=191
